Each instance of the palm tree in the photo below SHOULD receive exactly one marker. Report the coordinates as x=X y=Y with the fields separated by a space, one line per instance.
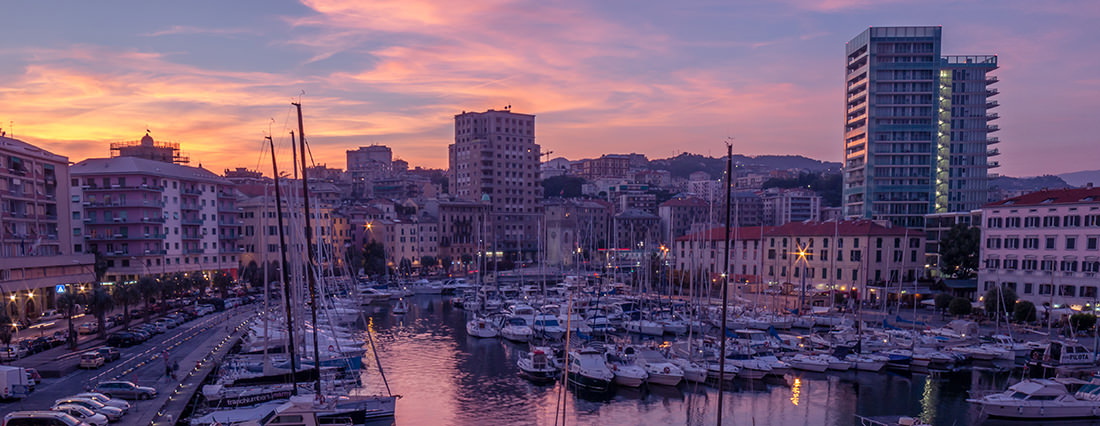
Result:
x=101 y=303
x=222 y=282
x=67 y=303
x=148 y=287
x=125 y=294
x=5 y=329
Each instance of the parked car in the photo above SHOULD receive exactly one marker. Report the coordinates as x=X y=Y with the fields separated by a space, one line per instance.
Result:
x=33 y=375
x=122 y=339
x=41 y=418
x=106 y=400
x=109 y=354
x=112 y=413
x=125 y=390
x=91 y=360
x=83 y=414
x=12 y=352
x=89 y=327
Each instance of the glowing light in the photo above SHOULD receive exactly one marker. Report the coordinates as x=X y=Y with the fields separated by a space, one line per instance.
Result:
x=796 y=390
x=13 y=297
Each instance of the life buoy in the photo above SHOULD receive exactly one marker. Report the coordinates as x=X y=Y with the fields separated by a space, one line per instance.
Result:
x=667 y=370
x=331 y=348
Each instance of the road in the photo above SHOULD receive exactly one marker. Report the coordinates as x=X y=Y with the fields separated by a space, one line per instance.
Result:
x=143 y=364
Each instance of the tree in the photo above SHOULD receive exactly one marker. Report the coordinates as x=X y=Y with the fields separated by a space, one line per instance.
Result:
x=466 y=259
x=125 y=294
x=1024 y=312
x=374 y=258
x=100 y=302
x=446 y=262
x=959 y=251
x=222 y=282
x=999 y=300
x=5 y=329
x=428 y=262
x=147 y=288
x=99 y=267
x=67 y=304
x=943 y=300
x=959 y=307
x=562 y=186
x=1082 y=321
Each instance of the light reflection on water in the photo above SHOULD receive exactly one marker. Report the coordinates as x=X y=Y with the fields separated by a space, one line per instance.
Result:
x=447 y=378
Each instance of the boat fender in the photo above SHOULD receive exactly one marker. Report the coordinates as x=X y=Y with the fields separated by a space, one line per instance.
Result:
x=1041 y=409
x=667 y=370
x=331 y=348
x=1019 y=410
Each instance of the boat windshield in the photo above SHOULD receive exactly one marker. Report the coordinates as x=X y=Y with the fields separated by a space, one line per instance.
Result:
x=517 y=321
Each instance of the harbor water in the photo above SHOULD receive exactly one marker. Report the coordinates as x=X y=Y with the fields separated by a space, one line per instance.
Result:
x=448 y=378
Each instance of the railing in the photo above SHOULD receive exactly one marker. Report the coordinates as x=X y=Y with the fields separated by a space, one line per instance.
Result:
x=190 y=191
x=142 y=203
x=193 y=251
x=191 y=222
x=124 y=187
x=156 y=251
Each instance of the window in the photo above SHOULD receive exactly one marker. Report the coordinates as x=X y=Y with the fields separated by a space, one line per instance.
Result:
x=1071 y=243
x=1091 y=243
x=1050 y=243
x=856 y=255
x=1044 y=289
x=1031 y=243
x=1027 y=288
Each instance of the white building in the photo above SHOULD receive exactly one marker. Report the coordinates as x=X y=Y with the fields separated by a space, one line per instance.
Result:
x=1045 y=245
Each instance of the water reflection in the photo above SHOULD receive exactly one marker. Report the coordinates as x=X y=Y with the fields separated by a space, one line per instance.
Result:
x=447 y=378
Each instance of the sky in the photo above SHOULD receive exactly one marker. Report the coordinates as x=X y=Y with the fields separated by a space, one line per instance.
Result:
x=612 y=76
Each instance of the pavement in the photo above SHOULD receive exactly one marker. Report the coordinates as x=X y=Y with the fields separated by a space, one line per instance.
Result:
x=190 y=345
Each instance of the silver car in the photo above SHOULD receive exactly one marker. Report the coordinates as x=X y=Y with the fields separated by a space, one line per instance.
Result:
x=125 y=390
x=112 y=413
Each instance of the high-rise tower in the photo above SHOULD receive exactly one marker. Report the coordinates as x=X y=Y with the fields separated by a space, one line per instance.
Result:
x=916 y=134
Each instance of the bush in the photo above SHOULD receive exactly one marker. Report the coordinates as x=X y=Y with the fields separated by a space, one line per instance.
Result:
x=943 y=300
x=1082 y=321
x=1024 y=312
x=996 y=303
x=959 y=307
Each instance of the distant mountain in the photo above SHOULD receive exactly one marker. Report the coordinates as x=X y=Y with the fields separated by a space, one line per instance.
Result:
x=1082 y=178
x=1028 y=184
x=685 y=164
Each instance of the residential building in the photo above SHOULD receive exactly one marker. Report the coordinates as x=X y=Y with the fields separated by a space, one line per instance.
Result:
x=607 y=166
x=702 y=252
x=37 y=256
x=331 y=229
x=367 y=164
x=680 y=215
x=1044 y=245
x=149 y=216
x=790 y=205
x=917 y=127
x=936 y=226
x=463 y=230
x=495 y=158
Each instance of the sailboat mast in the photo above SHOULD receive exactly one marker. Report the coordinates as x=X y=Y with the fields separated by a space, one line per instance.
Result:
x=725 y=285
x=310 y=272
x=286 y=274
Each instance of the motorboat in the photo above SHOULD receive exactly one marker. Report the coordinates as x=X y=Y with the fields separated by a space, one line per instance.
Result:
x=516 y=330
x=535 y=365
x=779 y=367
x=661 y=371
x=693 y=372
x=588 y=369
x=714 y=372
x=749 y=367
x=867 y=362
x=548 y=326
x=1037 y=399
x=836 y=363
x=626 y=371
x=644 y=326
x=481 y=327
x=600 y=325
x=808 y=363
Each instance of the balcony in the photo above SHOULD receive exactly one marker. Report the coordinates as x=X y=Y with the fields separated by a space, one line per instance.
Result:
x=156 y=252
x=142 y=187
x=992 y=128
x=190 y=191
x=224 y=194
x=189 y=207
x=994 y=164
x=152 y=220
x=232 y=251
x=992 y=116
x=113 y=204
x=992 y=104
x=190 y=237
x=992 y=92
x=150 y=237
x=229 y=237
x=107 y=237
x=992 y=140
x=990 y=79
x=993 y=152
x=191 y=222
x=193 y=251
x=222 y=209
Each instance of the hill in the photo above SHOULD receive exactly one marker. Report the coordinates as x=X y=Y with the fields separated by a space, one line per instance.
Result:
x=685 y=164
x=1081 y=178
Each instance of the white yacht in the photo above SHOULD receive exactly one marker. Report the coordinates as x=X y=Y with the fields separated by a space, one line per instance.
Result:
x=588 y=369
x=867 y=362
x=536 y=366
x=808 y=363
x=516 y=330
x=481 y=327
x=548 y=326
x=1037 y=399
x=626 y=371
x=661 y=371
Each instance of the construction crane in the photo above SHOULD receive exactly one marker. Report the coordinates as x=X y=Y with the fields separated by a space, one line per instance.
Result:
x=547 y=155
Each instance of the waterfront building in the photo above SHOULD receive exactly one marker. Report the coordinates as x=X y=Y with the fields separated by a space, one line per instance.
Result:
x=844 y=255
x=1044 y=245
x=494 y=158
x=148 y=215
x=917 y=129
x=463 y=230
x=575 y=229
x=936 y=226
x=331 y=229
x=702 y=252
x=38 y=257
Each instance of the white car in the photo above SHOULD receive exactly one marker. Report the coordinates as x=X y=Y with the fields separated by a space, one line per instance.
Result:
x=89 y=327
x=83 y=414
x=91 y=360
x=112 y=413
x=41 y=418
x=106 y=400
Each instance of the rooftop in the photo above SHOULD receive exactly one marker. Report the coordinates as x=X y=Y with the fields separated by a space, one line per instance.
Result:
x=860 y=227
x=142 y=166
x=1088 y=194
x=719 y=233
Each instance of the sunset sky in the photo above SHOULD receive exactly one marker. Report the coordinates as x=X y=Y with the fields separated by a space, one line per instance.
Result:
x=615 y=76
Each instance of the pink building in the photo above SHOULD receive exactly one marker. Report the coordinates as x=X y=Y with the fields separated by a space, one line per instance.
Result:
x=154 y=217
